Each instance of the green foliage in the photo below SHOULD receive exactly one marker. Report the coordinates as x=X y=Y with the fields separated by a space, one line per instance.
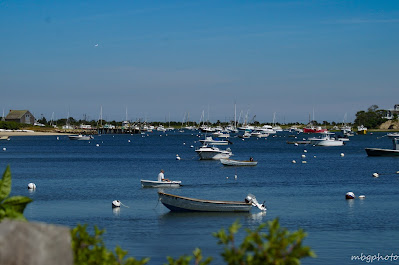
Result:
x=90 y=249
x=12 y=125
x=11 y=207
x=372 y=118
x=278 y=246
x=185 y=259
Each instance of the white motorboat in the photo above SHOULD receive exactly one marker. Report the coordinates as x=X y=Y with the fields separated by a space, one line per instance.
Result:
x=209 y=140
x=325 y=140
x=232 y=162
x=185 y=204
x=221 y=134
x=81 y=137
x=159 y=184
x=259 y=134
x=266 y=129
x=213 y=153
x=393 y=135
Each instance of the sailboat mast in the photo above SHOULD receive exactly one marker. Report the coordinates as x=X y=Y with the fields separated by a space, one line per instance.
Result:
x=235 y=115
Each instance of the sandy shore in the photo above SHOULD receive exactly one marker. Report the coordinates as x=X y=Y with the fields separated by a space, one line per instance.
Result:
x=29 y=133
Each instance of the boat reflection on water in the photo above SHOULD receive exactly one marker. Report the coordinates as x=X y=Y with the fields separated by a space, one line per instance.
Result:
x=116 y=211
x=205 y=216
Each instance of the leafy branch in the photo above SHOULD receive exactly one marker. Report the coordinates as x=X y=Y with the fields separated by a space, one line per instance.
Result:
x=11 y=207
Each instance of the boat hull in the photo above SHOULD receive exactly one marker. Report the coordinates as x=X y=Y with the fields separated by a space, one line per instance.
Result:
x=231 y=162
x=381 y=152
x=311 y=130
x=214 y=142
x=185 y=204
x=213 y=156
x=81 y=137
x=160 y=184
x=327 y=142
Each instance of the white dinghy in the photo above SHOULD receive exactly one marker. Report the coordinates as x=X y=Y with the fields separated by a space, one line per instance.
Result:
x=160 y=184
x=185 y=204
x=232 y=162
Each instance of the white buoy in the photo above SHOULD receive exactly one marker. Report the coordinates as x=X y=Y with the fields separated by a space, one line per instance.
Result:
x=342 y=154
x=4 y=149
x=293 y=162
x=97 y=145
x=184 y=143
x=303 y=156
x=362 y=196
x=349 y=195
x=376 y=175
x=128 y=141
x=116 y=203
x=314 y=156
x=227 y=177
x=58 y=138
x=31 y=186
x=177 y=157
x=235 y=176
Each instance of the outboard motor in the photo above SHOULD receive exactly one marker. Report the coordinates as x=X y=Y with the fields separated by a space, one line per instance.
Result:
x=252 y=199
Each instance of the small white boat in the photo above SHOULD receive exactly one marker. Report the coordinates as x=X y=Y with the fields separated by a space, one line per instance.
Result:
x=259 y=134
x=160 y=184
x=232 y=162
x=211 y=141
x=4 y=138
x=245 y=135
x=213 y=153
x=325 y=140
x=80 y=137
x=361 y=129
x=221 y=134
x=185 y=204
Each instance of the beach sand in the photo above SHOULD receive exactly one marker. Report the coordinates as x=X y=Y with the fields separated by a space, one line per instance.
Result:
x=29 y=133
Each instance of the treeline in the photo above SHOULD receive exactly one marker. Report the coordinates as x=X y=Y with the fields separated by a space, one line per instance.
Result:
x=372 y=118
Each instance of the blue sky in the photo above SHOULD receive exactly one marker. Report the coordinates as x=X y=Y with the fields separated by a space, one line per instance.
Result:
x=162 y=59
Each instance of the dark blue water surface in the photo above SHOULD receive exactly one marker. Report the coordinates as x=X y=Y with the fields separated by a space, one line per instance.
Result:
x=77 y=181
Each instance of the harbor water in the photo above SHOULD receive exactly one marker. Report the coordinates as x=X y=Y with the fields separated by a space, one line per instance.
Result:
x=78 y=180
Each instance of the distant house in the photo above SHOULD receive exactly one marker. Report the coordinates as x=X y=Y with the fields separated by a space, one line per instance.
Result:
x=391 y=112
x=20 y=116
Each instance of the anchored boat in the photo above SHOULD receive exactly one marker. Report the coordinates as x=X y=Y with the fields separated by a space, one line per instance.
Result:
x=213 y=153
x=385 y=152
x=232 y=162
x=185 y=204
x=160 y=184
x=80 y=137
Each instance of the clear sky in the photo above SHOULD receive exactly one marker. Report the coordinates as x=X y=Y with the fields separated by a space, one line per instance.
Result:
x=161 y=59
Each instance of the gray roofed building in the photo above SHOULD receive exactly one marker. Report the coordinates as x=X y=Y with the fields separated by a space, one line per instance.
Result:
x=20 y=116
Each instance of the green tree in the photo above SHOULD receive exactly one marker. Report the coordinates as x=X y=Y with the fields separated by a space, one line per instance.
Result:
x=372 y=118
x=278 y=246
x=90 y=249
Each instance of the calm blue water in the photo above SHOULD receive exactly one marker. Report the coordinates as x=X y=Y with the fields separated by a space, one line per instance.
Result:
x=77 y=181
